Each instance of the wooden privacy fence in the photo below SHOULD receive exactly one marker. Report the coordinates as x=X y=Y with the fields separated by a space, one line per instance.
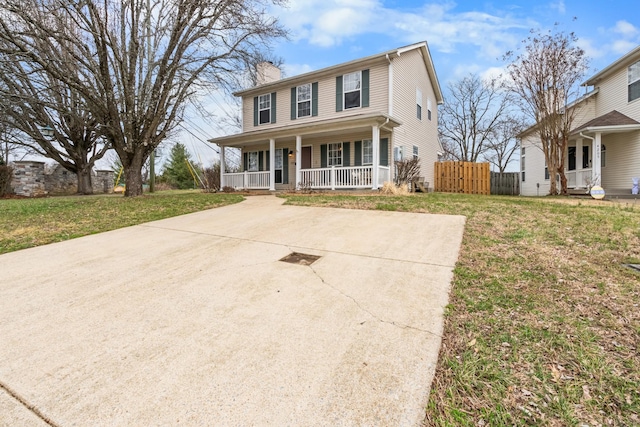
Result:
x=507 y=183
x=462 y=177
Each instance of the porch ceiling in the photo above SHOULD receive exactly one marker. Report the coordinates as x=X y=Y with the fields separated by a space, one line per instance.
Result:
x=320 y=128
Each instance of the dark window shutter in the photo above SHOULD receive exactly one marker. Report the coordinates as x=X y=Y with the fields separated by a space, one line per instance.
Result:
x=255 y=111
x=246 y=161
x=339 y=93
x=365 y=88
x=267 y=160
x=273 y=107
x=314 y=99
x=384 y=151
x=294 y=103
x=285 y=165
x=346 y=154
x=357 y=161
x=260 y=160
x=323 y=156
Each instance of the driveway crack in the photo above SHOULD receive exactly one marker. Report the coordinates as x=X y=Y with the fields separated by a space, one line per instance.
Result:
x=379 y=319
x=31 y=408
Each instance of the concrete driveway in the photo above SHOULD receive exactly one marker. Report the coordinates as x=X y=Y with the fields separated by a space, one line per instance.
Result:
x=193 y=320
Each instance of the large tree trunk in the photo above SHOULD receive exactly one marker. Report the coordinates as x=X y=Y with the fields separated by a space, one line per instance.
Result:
x=84 y=181
x=133 y=174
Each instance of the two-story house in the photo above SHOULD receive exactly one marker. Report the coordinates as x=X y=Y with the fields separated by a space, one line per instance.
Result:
x=604 y=146
x=339 y=127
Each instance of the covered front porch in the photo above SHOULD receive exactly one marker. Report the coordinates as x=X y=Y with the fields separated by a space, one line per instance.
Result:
x=345 y=153
x=587 y=152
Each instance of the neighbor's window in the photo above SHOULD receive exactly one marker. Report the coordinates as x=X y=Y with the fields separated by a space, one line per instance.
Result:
x=419 y=103
x=546 y=171
x=253 y=161
x=415 y=152
x=351 y=85
x=264 y=108
x=335 y=154
x=634 y=81
x=367 y=152
x=304 y=100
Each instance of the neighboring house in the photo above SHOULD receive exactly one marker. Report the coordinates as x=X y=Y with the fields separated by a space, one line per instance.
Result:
x=338 y=127
x=604 y=146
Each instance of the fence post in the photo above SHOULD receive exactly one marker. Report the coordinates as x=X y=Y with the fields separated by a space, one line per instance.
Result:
x=332 y=177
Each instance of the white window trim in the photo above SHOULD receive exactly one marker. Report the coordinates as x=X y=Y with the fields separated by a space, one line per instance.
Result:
x=429 y=109
x=260 y=109
x=635 y=79
x=419 y=103
x=415 y=152
x=398 y=153
x=329 y=150
x=298 y=102
x=344 y=90
x=370 y=142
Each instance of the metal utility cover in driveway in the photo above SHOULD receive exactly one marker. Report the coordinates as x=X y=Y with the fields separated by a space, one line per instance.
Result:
x=193 y=320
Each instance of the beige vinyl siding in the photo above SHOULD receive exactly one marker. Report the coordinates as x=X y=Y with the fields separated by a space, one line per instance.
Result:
x=534 y=168
x=586 y=111
x=613 y=95
x=409 y=73
x=622 y=160
x=378 y=99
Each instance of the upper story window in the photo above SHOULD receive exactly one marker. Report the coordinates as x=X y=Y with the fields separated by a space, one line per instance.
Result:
x=352 y=90
x=634 y=81
x=419 y=103
x=367 y=152
x=303 y=97
x=352 y=84
x=428 y=108
x=264 y=108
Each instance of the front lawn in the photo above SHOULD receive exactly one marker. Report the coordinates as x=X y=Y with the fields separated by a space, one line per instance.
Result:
x=543 y=325
x=25 y=223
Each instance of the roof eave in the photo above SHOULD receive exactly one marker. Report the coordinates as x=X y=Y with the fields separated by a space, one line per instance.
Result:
x=621 y=62
x=607 y=129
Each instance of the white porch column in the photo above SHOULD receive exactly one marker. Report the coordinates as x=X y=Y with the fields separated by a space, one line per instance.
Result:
x=375 y=142
x=272 y=164
x=222 y=166
x=596 y=163
x=579 y=180
x=298 y=159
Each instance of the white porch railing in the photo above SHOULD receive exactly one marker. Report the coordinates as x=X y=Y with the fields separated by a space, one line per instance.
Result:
x=579 y=178
x=342 y=177
x=247 y=180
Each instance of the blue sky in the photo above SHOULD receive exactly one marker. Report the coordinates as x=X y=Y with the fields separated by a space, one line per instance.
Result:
x=463 y=36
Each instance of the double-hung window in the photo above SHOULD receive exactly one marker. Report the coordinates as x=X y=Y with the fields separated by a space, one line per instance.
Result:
x=634 y=81
x=415 y=152
x=303 y=96
x=351 y=85
x=367 y=152
x=428 y=109
x=334 y=154
x=253 y=161
x=264 y=108
x=419 y=103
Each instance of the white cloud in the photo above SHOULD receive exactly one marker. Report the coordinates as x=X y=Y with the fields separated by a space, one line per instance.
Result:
x=559 y=6
x=328 y=23
x=623 y=46
x=625 y=29
x=296 y=69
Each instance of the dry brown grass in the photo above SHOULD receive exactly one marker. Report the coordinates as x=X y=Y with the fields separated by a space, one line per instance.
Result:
x=543 y=325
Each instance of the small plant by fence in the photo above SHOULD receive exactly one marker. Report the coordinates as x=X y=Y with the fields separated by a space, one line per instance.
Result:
x=462 y=177
x=507 y=183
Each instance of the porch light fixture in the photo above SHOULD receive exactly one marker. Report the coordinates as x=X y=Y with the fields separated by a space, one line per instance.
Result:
x=290 y=153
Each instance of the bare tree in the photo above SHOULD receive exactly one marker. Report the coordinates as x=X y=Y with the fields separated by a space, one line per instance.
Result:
x=545 y=77
x=139 y=62
x=502 y=145
x=469 y=117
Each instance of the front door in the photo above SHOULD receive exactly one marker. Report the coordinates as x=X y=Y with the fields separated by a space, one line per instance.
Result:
x=306 y=158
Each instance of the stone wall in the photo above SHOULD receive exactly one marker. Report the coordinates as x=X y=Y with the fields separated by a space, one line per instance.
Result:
x=33 y=179
x=28 y=179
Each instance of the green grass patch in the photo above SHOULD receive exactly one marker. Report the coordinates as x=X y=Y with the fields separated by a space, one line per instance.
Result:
x=25 y=223
x=542 y=326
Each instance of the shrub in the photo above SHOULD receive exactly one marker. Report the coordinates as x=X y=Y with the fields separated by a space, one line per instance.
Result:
x=6 y=175
x=407 y=171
